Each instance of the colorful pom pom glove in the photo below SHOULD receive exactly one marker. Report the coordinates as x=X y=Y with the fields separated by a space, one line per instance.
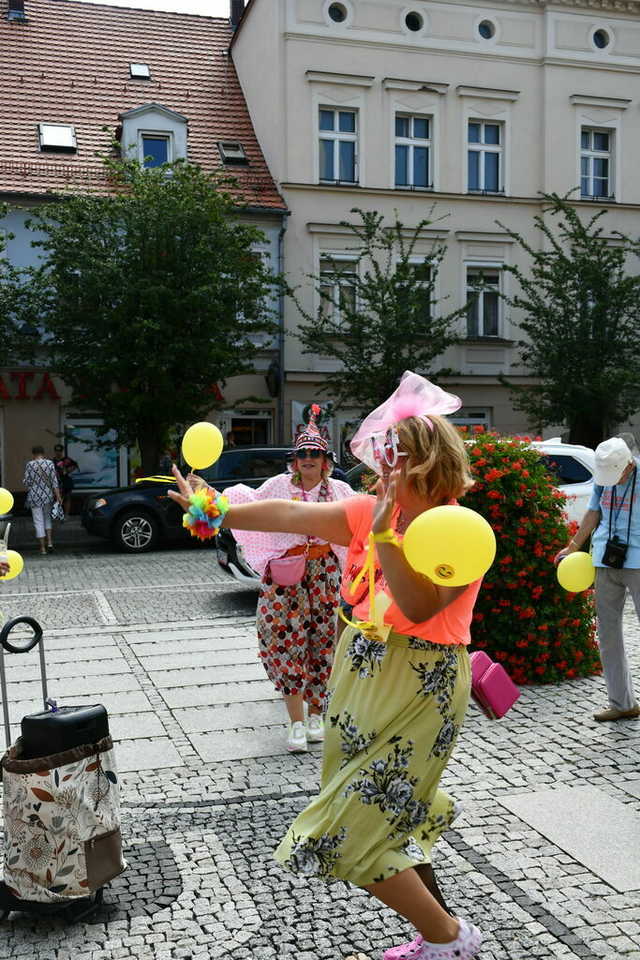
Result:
x=206 y=513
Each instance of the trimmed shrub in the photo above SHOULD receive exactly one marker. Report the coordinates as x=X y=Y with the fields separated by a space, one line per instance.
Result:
x=523 y=618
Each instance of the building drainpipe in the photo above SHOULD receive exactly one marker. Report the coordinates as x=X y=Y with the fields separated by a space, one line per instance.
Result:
x=281 y=334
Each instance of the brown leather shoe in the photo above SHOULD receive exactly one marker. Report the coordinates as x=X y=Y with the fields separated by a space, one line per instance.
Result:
x=612 y=714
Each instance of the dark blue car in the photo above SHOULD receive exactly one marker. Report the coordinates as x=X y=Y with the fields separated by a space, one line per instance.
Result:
x=142 y=516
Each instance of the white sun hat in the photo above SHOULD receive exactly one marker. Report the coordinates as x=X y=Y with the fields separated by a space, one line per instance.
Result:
x=612 y=456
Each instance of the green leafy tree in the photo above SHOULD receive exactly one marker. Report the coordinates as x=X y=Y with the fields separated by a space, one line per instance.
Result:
x=151 y=295
x=379 y=314
x=580 y=310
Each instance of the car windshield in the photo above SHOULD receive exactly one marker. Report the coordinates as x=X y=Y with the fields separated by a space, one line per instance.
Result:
x=565 y=469
x=246 y=465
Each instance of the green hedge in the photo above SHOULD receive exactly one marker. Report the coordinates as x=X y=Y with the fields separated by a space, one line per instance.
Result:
x=523 y=618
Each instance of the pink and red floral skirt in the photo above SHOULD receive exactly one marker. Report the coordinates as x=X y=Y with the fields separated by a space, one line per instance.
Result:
x=297 y=629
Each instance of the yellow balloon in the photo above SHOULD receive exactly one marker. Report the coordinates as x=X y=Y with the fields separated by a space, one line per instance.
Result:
x=202 y=445
x=451 y=545
x=6 y=501
x=16 y=565
x=576 y=572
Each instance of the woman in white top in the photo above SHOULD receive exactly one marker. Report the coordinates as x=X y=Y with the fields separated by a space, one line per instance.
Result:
x=41 y=481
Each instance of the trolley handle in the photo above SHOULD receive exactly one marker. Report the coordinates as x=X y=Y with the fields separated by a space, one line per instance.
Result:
x=31 y=642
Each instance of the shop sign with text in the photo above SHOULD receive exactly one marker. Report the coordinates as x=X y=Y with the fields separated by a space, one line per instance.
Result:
x=27 y=385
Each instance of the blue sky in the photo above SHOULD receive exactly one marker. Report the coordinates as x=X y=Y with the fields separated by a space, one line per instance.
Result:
x=212 y=8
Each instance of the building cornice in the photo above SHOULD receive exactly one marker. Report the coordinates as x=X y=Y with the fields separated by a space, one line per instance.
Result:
x=585 y=100
x=347 y=79
x=334 y=229
x=484 y=236
x=614 y=6
x=493 y=55
x=487 y=93
x=415 y=86
x=354 y=195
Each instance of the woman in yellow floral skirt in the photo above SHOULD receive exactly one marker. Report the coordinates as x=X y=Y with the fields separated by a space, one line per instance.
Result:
x=401 y=679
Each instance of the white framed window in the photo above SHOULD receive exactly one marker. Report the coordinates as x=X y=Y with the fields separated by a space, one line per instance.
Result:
x=57 y=137
x=485 y=150
x=596 y=163
x=338 y=145
x=471 y=417
x=421 y=272
x=413 y=152
x=483 y=287
x=338 y=275
x=155 y=149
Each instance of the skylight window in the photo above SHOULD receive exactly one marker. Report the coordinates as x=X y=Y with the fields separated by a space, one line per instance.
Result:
x=232 y=152
x=140 y=71
x=57 y=137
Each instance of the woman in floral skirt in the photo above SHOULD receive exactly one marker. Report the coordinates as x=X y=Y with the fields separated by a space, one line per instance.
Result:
x=401 y=679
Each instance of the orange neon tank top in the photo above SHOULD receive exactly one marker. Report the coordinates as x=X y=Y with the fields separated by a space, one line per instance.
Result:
x=450 y=626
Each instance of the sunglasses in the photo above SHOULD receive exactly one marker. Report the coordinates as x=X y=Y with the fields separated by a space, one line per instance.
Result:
x=387 y=451
x=305 y=452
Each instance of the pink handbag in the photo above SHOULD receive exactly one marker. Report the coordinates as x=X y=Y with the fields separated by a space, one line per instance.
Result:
x=491 y=686
x=285 y=571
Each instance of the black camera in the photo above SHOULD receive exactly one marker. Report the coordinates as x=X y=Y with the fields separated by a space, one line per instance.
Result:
x=615 y=553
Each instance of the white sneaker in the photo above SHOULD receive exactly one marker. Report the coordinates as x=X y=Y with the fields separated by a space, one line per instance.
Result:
x=297 y=739
x=315 y=728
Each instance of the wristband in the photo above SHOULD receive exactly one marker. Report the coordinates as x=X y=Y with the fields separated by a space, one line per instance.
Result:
x=386 y=536
x=206 y=513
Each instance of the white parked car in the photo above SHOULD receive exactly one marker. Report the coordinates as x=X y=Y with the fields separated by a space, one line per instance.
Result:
x=573 y=466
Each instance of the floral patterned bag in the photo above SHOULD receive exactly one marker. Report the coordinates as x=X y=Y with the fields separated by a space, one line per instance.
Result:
x=62 y=823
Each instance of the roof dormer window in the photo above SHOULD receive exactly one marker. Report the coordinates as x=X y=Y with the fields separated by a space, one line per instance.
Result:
x=156 y=150
x=232 y=152
x=16 y=11
x=139 y=71
x=57 y=137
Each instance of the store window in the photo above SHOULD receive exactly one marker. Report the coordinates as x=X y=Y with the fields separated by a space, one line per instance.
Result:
x=101 y=461
x=249 y=431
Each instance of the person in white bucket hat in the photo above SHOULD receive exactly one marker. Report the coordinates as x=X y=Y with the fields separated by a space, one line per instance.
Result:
x=613 y=517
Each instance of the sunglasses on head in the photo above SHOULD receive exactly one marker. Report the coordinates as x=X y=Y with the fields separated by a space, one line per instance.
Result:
x=387 y=451
x=309 y=452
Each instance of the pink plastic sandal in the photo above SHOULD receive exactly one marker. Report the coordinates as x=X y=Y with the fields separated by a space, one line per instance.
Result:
x=464 y=947
x=408 y=950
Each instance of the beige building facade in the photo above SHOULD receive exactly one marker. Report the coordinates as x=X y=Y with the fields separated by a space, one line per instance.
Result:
x=393 y=105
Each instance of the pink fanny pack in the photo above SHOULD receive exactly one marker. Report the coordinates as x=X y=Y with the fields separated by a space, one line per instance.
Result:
x=491 y=686
x=285 y=571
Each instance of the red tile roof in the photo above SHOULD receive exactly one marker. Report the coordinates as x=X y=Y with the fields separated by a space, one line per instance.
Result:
x=69 y=63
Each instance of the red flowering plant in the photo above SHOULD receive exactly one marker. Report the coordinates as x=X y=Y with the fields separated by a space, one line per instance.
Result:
x=523 y=618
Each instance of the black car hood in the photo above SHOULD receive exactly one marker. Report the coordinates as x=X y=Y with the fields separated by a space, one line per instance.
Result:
x=142 y=485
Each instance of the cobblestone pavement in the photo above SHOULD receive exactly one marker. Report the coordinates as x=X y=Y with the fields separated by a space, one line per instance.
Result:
x=168 y=644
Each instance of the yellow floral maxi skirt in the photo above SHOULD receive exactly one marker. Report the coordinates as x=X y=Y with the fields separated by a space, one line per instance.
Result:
x=393 y=715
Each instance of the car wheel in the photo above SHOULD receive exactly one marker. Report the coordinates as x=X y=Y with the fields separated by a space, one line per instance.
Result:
x=136 y=531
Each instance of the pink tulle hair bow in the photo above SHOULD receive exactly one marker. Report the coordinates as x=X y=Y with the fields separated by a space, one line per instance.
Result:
x=414 y=397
